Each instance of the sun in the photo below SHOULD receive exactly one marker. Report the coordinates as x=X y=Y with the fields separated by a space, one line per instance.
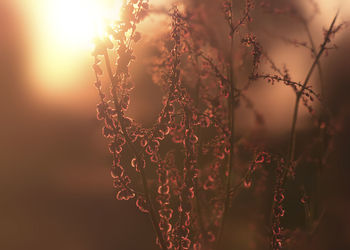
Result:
x=62 y=35
x=74 y=23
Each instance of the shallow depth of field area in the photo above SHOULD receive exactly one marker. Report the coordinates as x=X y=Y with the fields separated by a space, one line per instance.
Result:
x=161 y=124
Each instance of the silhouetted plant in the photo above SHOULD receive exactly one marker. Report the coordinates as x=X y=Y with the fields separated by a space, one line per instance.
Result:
x=189 y=162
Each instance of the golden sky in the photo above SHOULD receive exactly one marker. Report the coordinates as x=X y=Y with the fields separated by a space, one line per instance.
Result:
x=61 y=34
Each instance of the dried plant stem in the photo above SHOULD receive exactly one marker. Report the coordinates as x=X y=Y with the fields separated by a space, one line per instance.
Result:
x=291 y=149
x=152 y=212
x=313 y=48
x=231 y=106
x=199 y=156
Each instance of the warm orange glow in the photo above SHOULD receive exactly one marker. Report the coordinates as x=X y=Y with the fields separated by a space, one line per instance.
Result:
x=63 y=33
x=76 y=22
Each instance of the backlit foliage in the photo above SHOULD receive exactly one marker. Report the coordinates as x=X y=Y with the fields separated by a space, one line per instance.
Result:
x=186 y=169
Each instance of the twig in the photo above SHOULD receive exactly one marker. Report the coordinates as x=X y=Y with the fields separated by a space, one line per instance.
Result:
x=152 y=212
x=291 y=151
x=313 y=51
x=232 y=128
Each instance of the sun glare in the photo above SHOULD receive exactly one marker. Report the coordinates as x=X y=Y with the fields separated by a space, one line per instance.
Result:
x=63 y=34
x=76 y=22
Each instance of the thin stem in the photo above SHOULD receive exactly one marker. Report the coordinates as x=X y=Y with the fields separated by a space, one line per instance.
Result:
x=231 y=106
x=234 y=190
x=199 y=156
x=152 y=212
x=291 y=150
x=313 y=48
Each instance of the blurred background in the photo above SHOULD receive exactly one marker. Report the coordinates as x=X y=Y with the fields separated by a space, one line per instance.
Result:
x=55 y=186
